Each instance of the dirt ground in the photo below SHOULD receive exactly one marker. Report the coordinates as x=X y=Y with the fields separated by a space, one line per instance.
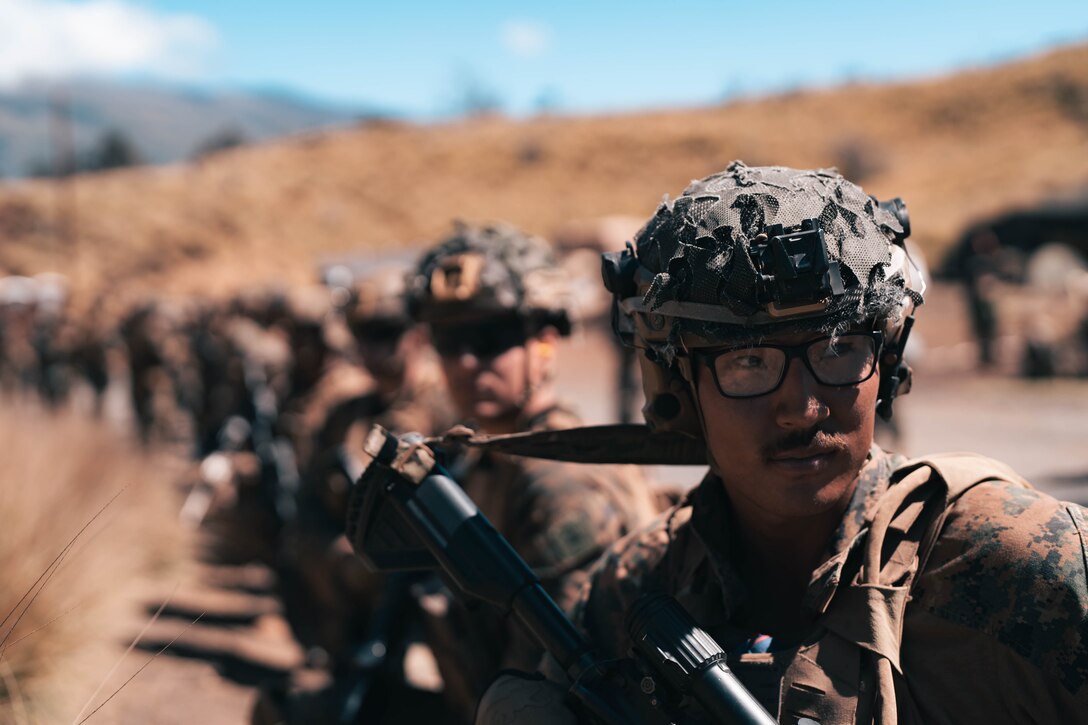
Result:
x=210 y=673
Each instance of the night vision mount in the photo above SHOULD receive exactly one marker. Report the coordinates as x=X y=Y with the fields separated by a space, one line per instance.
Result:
x=795 y=274
x=897 y=208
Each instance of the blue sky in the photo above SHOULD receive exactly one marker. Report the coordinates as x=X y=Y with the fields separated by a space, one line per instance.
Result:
x=420 y=58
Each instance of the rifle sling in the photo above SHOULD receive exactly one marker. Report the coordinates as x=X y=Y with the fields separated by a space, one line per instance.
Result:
x=618 y=443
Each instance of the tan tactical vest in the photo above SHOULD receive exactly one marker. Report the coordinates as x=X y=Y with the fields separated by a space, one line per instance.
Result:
x=852 y=673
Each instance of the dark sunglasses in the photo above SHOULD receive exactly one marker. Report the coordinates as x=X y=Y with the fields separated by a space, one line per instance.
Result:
x=483 y=339
x=378 y=332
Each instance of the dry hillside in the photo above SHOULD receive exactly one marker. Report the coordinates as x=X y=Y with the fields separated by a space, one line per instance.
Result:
x=955 y=148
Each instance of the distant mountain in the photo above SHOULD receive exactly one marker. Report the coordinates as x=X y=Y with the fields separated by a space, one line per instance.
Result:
x=959 y=149
x=161 y=123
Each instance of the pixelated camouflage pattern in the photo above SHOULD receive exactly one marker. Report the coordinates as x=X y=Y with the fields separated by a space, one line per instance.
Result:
x=993 y=630
x=559 y=517
x=1008 y=573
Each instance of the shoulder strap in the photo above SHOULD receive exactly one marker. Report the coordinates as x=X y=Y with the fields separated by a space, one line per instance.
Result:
x=956 y=473
x=869 y=612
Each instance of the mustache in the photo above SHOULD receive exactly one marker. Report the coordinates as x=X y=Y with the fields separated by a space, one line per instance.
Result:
x=802 y=439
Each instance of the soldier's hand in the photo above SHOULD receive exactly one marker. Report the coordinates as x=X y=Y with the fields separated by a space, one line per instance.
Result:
x=525 y=699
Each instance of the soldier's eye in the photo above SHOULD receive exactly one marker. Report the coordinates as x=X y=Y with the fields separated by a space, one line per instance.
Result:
x=744 y=360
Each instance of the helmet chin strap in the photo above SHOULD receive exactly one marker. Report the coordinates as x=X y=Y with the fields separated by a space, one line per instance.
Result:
x=895 y=374
x=531 y=388
x=693 y=388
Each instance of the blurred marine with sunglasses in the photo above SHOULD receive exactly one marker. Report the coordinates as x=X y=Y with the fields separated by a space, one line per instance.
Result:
x=496 y=303
x=770 y=307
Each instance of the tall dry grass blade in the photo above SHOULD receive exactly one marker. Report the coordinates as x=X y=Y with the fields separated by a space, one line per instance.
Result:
x=57 y=618
x=57 y=560
x=33 y=586
x=142 y=668
x=132 y=645
x=48 y=574
x=16 y=696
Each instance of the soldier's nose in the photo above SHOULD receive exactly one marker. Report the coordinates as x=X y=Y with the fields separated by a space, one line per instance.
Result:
x=467 y=360
x=797 y=401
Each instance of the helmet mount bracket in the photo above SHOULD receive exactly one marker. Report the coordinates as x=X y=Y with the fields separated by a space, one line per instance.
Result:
x=795 y=273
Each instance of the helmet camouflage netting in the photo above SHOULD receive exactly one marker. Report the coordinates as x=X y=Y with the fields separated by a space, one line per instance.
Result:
x=698 y=249
x=491 y=271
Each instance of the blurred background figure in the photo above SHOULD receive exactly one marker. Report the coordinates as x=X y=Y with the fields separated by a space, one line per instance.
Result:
x=1022 y=271
x=980 y=283
x=357 y=626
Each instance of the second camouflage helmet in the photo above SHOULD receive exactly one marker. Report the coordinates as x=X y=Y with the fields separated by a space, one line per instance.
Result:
x=490 y=271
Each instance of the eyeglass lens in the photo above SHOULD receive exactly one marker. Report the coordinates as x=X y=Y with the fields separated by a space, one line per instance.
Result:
x=844 y=360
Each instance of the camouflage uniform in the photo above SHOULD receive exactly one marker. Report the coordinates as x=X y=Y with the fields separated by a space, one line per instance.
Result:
x=18 y=359
x=559 y=517
x=330 y=605
x=992 y=628
x=164 y=381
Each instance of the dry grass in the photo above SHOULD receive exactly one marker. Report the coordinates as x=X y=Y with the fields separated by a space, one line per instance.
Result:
x=56 y=473
x=955 y=148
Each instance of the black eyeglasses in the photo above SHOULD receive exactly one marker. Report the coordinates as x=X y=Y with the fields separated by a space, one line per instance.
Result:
x=483 y=339
x=840 y=361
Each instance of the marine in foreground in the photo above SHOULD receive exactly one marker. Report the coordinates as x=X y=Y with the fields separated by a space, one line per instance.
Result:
x=847 y=584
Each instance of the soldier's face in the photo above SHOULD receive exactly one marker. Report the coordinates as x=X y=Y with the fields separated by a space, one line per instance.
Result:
x=386 y=351
x=794 y=452
x=491 y=374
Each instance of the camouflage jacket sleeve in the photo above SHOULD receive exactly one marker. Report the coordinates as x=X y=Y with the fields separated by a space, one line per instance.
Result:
x=998 y=627
x=569 y=514
x=636 y=564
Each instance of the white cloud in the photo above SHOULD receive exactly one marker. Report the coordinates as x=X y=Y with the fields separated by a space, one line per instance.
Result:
x=526 y=38
x=59 y=38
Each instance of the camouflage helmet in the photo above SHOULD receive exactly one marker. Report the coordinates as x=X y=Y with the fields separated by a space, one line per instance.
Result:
x=378 y=297
x=378 y=308
x=482 y=272
x=753 y=252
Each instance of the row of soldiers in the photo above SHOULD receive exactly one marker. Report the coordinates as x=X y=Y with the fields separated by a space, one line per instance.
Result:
x=44 y=351
x=274 y=394
x=766 y=552
x=846 y=583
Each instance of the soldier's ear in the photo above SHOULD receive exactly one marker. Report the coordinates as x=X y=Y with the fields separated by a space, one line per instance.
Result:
x=545 y=349
x=545 y=342
x=669 y=406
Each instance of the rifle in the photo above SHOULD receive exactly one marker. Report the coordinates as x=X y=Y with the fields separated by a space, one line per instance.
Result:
x=279 y=469
x=406 y=513
x=369 y=670
x=279 y=474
